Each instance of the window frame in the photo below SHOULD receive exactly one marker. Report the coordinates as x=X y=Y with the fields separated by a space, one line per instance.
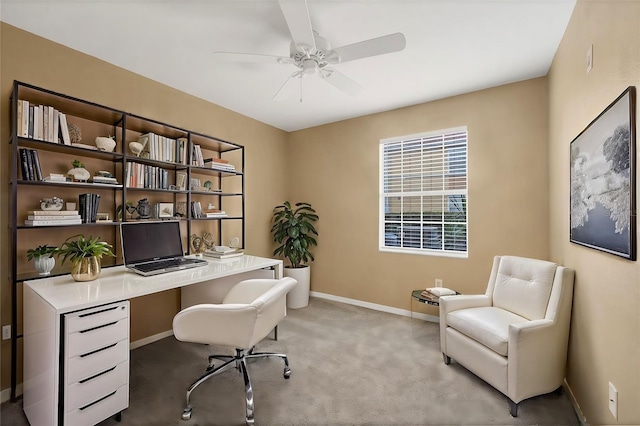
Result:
x=447 y=171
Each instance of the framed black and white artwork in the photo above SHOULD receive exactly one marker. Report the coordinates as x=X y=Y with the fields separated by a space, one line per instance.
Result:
x=603 y=202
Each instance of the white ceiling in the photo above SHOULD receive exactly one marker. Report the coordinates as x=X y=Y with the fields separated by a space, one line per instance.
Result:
x=453 y=47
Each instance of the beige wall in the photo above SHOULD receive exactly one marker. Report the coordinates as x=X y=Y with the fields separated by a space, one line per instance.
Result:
x=519 y=138
x=605 y=328
x=31 y=59
x=336 y=170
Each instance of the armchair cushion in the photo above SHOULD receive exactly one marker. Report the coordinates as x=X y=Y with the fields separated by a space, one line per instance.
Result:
x=523 y=286
x=487 y=325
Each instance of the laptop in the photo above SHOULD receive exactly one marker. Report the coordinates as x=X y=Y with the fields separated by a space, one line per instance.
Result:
x=151 y=248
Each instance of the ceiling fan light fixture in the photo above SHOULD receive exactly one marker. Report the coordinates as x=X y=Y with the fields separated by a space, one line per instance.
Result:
x=310 y=66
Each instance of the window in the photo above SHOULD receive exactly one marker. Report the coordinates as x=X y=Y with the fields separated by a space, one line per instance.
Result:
x=423 y=193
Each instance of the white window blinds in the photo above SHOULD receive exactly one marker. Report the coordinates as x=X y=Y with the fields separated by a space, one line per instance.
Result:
x=423 y=193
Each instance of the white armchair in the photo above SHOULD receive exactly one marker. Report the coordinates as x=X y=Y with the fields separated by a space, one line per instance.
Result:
x=248 y=313
x=515 y=336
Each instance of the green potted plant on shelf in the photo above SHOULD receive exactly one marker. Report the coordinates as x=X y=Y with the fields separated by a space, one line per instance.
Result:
x=42 y=257
x=85 y=254
x=294 y=232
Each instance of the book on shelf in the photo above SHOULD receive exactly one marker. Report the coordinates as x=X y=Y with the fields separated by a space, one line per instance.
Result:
x=37 y=171
x=88 y=204
x=24 y=164
x=104 y=179
x=64 y=129
x=223 y=255
x=52 y=222
x=218 y=213
x=58 y=218
x=196 y=209
x=55 y=177
x=30 y=164
x=53 y=212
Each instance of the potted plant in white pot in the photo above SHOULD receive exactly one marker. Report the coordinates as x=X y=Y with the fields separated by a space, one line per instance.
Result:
x=43 y=258
x=293 y=230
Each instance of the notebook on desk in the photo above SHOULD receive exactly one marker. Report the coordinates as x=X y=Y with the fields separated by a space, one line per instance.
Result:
x=151 y=248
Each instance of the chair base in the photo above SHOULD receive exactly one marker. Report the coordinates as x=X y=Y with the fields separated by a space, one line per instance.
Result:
x=513 y=408
x=239 y=361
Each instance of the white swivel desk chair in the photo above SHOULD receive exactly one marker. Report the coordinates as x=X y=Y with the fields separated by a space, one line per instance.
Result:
x=249 y=312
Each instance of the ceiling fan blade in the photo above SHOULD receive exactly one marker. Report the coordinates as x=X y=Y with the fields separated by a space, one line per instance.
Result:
x=290 y=88
x=363 y=49
x=296 y=14
x=341 y=81
x=251 y=57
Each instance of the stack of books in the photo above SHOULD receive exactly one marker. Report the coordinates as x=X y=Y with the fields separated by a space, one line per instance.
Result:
x=104 y=179
x=53 y=217
x=215 y=213
x=223 y=253
x=219 y=164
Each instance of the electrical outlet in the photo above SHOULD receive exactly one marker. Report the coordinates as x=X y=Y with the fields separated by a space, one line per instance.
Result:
x=438 y=282
x=6 y=332
x=613 y=400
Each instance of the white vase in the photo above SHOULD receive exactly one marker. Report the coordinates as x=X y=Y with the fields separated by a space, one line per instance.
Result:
x=44 y=264
x=79 y=174
x=298 y=297
x=105 y=144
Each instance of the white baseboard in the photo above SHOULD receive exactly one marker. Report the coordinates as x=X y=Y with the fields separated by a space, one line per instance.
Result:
x=376 y=307
x=576 y=407
x=5 y=395
x=150 y=339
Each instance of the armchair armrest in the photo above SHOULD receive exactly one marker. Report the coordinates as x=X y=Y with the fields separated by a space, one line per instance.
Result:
x=454 y=303
x=537 y=358
x=462 y=301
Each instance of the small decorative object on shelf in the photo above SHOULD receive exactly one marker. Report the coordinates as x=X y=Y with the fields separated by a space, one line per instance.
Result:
x=234 y=242
x=144 y=209
x=78 y=173
x=201 y=244
x=75 y=135
x=44 y=263
x=107 y=144
x=85 y=253
x=130 y=209
x=53 y=203
x=136 y=148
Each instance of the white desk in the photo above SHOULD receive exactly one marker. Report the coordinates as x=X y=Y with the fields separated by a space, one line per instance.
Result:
x=48 y=300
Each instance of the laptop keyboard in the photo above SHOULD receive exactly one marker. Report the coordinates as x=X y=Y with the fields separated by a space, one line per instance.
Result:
x=163 y=264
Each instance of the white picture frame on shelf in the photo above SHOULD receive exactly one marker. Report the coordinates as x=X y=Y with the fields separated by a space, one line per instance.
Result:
x=165 y=210
x=181 y=181
x=195 y=184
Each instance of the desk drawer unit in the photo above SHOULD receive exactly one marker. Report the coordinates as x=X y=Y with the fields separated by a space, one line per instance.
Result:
x=96 y=363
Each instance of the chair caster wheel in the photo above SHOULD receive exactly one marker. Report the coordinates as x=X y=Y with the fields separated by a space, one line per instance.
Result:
x=287 y=373
x=186 y=413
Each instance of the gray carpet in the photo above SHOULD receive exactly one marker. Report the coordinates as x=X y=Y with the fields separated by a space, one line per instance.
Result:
x=350 y=366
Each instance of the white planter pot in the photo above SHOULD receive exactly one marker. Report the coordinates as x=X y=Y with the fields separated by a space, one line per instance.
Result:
x=44 y=264
x=298 y=297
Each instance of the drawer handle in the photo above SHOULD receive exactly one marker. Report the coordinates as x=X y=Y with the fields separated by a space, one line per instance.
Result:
x=97 y=375
x=98 y=350
x=97 y=327
x=95 y=402
x=97 y=312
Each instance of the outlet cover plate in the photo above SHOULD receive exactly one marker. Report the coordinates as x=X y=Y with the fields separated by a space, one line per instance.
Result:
x=613 y=400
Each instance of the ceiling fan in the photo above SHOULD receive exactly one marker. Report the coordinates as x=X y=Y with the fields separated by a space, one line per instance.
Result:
x=312 y=53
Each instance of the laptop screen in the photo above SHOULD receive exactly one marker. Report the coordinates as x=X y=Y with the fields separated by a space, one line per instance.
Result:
x=145 y=241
